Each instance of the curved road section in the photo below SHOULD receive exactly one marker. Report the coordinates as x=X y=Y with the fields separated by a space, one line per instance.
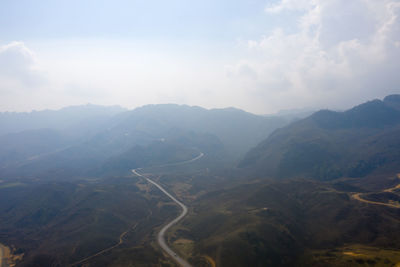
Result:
x=358 y=196
x=160 y=236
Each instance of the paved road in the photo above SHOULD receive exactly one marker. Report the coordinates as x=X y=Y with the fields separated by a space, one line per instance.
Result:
x=160 y=236
x=180 y=162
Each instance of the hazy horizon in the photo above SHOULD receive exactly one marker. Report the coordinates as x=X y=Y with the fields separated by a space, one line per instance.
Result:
x=289 y=111
x=259 y=56
x=221 y=133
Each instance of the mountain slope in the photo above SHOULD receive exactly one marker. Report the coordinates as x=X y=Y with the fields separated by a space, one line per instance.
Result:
x=328 y=145
x=224 y=133
x=238 y=130
x=30 y=144
x=73 y=119
x=278 y=223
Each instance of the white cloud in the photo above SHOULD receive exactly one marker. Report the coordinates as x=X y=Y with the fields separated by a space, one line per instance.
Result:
x=23 y=85
x=290 y=5
x=342 y=52
x=17 y=67
x=115 y=72
x=336 y=54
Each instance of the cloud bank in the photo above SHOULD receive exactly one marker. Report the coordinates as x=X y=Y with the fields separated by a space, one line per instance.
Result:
x=17 y=67
x=341 y=53
x=315 y=53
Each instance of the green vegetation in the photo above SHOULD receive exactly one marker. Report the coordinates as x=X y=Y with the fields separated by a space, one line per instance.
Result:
x=68 y=199
x=353 y=255
x=328 y=145
x=276 y=224
x=64 y=222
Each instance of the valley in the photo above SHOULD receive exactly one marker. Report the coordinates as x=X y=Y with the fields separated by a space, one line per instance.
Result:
x=135 y=190
x=262 y=133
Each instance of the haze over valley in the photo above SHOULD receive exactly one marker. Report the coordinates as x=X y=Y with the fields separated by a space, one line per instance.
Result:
x=217 y=133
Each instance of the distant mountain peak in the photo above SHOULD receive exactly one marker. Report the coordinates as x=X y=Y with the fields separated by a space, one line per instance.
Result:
x=392 y=101
x=329 y=144
x=392 y=98
x=372 y=114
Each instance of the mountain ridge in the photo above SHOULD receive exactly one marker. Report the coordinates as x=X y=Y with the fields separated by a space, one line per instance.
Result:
x=329 y=144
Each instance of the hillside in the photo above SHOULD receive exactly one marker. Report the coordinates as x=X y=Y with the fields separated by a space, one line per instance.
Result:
x=73 y=120
x=66 y=199
x=359 y=142
x=294 y=222
x=58 y=223
x=28 y=144
x=238 y=130
x=162 y=132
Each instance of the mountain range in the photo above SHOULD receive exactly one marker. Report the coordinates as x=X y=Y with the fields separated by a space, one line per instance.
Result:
x=327 y=145
x=87 y=140
x=320 y=190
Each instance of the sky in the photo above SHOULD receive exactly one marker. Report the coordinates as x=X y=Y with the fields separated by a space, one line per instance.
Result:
x=260 y=56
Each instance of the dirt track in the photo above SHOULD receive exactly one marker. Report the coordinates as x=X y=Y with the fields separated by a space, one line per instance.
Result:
x=357 y=196
x=121 y=240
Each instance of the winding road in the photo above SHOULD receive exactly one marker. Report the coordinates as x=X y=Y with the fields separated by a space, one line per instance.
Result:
x=358 y=196
x=160 y=235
